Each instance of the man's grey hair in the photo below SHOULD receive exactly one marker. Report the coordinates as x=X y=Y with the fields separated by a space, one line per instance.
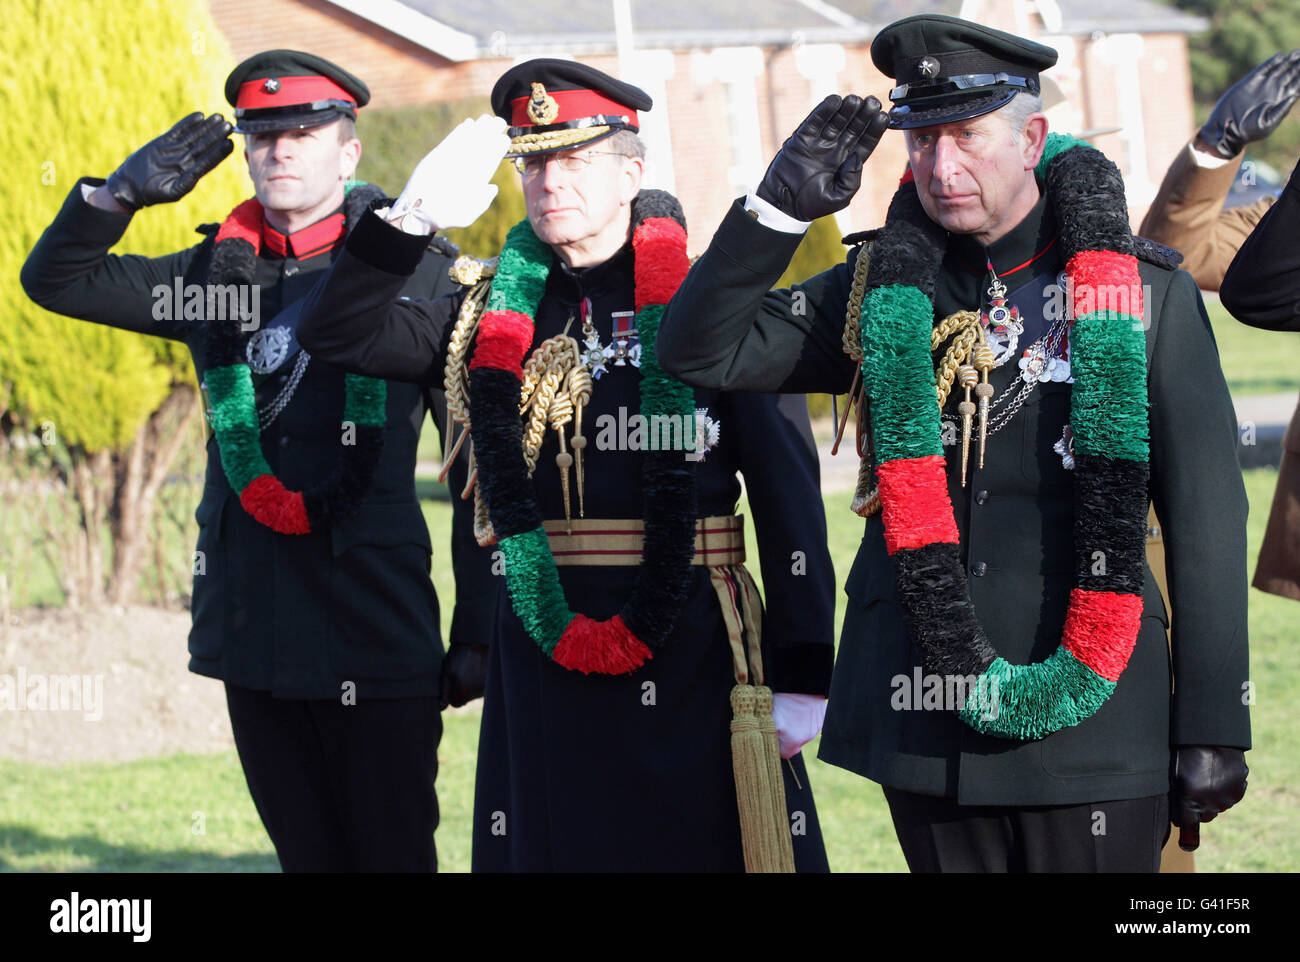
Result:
x=627 y=143
x=1017 y=112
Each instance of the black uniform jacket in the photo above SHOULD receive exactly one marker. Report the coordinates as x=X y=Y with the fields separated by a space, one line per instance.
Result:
x=630 y=772
x=727 y=330
x=296 y=615
x=354 y=320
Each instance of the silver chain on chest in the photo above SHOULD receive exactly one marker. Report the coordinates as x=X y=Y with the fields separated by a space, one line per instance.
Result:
x=267 y=415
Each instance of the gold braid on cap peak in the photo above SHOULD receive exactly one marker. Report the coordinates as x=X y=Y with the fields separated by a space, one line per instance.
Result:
x=556 y=139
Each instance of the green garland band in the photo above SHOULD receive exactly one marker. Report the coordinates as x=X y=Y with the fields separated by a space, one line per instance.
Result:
x=1032 y=701
x=365 y=401
x=522 y=269
x=1056 y=145
x=1108 y=404
x=234 y=421
x=661 y=394
x=898 y=369
x=534 y=587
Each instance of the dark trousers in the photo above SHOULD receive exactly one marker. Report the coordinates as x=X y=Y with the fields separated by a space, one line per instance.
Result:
x=342 y=788
x=938 y=835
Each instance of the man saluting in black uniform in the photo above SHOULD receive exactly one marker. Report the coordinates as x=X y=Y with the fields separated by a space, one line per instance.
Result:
x=312 y=599
x=1003 y=670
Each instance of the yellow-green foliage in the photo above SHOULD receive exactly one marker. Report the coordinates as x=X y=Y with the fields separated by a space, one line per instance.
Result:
x=820 y=250
x=84 y=84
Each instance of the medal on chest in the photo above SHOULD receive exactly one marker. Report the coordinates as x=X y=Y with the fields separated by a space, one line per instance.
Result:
x=624 y=347
x=1002 y=324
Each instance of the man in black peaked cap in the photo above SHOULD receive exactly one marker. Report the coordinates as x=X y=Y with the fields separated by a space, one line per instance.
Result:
x=312 y=600
x=1003 y=670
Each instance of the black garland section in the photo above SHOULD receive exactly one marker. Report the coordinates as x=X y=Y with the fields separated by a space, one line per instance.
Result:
x=1083 y=184
x=233 y=262
x=1110 y=505
x=340 y=495
x=499 y=445
x=656 y=203
x=910 y=247
x=932 y=589
x=662 y=585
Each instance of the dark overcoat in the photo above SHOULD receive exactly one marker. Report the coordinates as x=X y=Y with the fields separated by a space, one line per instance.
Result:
x=296 y=615
x=726 y=329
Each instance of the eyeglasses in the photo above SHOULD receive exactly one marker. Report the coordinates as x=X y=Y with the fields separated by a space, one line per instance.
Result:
x=532 y=166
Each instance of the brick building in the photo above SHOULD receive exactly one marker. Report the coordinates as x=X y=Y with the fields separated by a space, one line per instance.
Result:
x=731 y=78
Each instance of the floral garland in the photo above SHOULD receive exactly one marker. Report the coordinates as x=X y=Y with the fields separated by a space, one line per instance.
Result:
x=234 y=403
x=624 y=642
x=1108 y=414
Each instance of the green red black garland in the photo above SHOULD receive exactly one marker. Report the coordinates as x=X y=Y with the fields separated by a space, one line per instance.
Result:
x=234 y=402
x=626 y=641
x=1109 y=420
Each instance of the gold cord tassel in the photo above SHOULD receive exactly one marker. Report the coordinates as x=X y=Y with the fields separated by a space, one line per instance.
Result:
x=968 y=377
x=753 y=788
x=982 y=355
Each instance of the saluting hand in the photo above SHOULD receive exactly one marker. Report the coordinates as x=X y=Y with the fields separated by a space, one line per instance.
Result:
x=1207 y=780
x=1254 y=106
x=450 y=186
x=168 y=167
x=819 y=168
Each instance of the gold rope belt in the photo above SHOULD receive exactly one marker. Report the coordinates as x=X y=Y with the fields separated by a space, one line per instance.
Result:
x=718 y=541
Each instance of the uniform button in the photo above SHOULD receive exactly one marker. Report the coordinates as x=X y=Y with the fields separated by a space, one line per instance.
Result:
x=284 y=442
x=978 y=569
x=284 y=378
x=981 y=497
x=290 y=270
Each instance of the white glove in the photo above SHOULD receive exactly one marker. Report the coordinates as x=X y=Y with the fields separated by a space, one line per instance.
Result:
x=798 y=719
x=449 y=187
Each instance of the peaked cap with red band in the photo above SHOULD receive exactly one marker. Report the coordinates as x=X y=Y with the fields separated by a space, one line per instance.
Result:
x=555 y=105
x=291 y=90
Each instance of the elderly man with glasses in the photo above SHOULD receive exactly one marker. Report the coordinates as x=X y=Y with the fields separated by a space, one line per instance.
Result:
x=628 y=716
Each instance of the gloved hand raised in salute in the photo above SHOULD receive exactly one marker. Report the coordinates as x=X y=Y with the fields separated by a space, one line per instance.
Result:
x=819 y=167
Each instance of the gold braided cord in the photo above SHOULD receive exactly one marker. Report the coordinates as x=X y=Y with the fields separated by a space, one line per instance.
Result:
x=553 y=139
x=546 y=370
x=852 y=339
x=957 y=354
x=455 y=379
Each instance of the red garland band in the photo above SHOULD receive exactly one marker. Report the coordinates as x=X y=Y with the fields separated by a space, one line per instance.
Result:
x=1101 y=629
x=503 y=340
x=914 y=503
x=661 y=263
x=269 y=502
x=1098 y=283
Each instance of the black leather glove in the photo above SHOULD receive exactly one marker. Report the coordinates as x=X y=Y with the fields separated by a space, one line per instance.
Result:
x=464 y=674
x=1207 y=780
x=819 y=167
x=1253 y=106
x=168 y=167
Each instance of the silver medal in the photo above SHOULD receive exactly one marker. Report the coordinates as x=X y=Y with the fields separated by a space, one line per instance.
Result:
x=268 y=348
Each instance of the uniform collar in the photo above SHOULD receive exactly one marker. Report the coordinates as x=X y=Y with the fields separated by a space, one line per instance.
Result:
x=1020 y=253
x=310 y=241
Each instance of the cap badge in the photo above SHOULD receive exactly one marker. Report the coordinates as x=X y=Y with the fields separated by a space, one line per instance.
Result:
x=272 y=86
x=929 y=67
x=542 y=107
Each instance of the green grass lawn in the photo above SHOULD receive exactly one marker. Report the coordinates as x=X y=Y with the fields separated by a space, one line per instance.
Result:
x=1254 y=361
x=146 y=815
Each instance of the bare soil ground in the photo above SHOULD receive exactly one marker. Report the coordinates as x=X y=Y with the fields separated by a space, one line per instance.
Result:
x=148 y=705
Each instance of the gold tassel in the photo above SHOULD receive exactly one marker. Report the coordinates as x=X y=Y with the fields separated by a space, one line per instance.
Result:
x=775 y=779
x=752 y=795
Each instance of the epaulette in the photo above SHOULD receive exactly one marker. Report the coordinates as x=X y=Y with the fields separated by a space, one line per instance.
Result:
x=467 y=270
x=207 y=230
x=1158 y=254
x=862 y=235
x=444 y=247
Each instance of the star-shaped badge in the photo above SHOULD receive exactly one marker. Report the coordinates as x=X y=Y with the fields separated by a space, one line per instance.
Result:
x=272 y=86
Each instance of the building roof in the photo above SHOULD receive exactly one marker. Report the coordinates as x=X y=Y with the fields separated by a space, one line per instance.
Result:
x=471 y=29
x=505 y=28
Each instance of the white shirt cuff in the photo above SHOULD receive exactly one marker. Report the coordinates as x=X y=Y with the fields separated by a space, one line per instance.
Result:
x=1207 y=161
x=86 y=191
x=769 y=216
